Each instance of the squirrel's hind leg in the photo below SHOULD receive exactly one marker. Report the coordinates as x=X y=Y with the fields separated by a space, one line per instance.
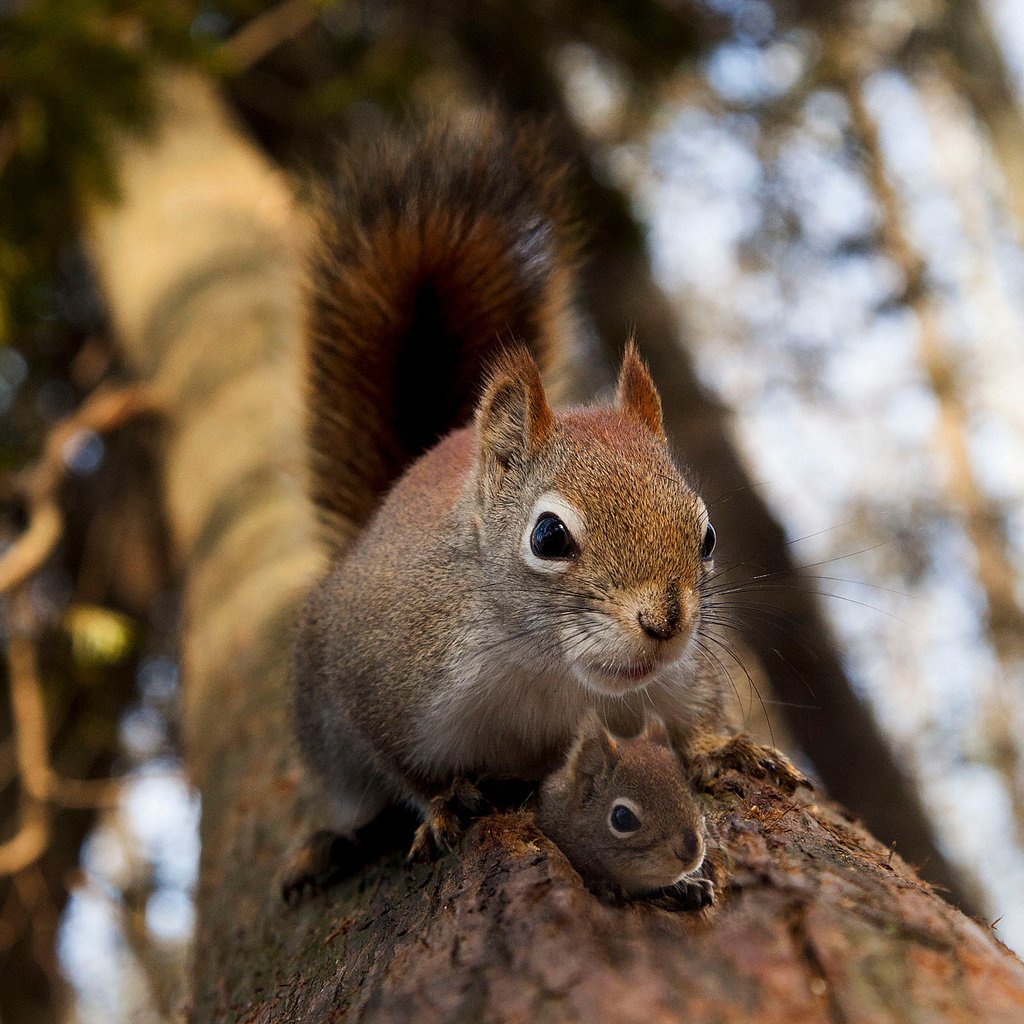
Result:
x=329 y=855
x=321 y=861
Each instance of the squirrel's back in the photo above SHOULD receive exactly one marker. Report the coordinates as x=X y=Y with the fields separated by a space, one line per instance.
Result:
x=434 y=252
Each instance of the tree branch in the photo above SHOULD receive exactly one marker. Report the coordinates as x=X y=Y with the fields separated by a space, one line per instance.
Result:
x=40 y=785
x=104 y=411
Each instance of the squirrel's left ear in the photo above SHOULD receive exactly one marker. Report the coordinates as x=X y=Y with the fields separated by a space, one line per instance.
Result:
x=637 y=395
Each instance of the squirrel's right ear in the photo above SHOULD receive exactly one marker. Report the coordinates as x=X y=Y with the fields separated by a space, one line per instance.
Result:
x=655 y=732
x=513 y=417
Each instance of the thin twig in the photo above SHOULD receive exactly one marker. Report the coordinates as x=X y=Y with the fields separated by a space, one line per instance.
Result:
x=104 y=411
x=29 y=715
x=28 y=553
x=267 y=31
x=29 y=722
x=41 y=787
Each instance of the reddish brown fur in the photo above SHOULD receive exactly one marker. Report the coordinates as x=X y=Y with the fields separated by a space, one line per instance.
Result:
x=637 y=394
x=643 y=507
x=576 y=800
x=513 y=417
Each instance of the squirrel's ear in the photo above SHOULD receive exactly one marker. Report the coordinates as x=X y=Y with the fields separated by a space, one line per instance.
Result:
x=637 y=395
x=513 y=417
x=594 y=754
x=655 y=732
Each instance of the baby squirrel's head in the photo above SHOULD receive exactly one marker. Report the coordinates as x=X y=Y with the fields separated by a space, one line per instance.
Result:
x=622 y=812
x=599 y=544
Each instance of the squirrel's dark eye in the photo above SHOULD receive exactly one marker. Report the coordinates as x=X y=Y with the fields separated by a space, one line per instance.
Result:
x=707 y=548
x=551 y=538
x=623 y=820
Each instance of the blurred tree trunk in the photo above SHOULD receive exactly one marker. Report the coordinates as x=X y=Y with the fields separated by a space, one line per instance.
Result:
x=823 y=713
x=981 y=521
x=816 y=922
x=965 y=32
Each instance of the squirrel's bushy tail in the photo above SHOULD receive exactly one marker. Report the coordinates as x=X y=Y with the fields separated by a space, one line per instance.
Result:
x=433 y=253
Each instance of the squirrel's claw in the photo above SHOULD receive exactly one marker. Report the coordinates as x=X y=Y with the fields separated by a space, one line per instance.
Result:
x=696 y=892
x=742 y=754
x=437 y=835
x=444 y=820
x=465 y=799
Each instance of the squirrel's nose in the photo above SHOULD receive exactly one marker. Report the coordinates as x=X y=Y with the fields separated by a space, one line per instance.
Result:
x=662 y=621
x=689 y=846
x=654 y=629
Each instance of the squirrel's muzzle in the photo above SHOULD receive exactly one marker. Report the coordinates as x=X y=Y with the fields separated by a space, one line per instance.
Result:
x=661 y=615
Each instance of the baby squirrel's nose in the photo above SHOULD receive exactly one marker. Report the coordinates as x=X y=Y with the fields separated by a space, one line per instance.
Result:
x=689 y=846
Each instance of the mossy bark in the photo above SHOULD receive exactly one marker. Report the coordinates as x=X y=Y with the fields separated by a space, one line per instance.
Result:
x=815 y=920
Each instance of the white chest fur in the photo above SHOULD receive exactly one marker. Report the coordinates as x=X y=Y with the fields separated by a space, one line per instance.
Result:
x=502 y=710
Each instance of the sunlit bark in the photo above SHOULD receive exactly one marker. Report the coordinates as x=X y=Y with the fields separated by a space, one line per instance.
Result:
x=965 y=32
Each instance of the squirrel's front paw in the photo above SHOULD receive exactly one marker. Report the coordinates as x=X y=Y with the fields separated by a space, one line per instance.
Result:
x=444 y=819
x=437 y=835
x=465 y=800
x=320 y=862
x=742 y=754
x=695 y=893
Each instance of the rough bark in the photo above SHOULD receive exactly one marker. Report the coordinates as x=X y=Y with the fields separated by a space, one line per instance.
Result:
x=816 y=921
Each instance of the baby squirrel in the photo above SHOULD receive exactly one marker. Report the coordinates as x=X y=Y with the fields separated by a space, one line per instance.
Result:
x=499 y=568
x=624 y=816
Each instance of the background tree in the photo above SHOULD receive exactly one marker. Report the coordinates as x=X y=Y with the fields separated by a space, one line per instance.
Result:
x=619 y=79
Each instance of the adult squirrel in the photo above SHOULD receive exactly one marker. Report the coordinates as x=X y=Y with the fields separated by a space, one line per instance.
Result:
x=498 y=568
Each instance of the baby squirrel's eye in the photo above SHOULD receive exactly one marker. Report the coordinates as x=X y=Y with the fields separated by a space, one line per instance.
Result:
x=707 y=548
x=551 y=538
x=623 y=821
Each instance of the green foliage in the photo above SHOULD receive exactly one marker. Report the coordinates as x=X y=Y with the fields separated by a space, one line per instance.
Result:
x=71 y=72
x=74 y=71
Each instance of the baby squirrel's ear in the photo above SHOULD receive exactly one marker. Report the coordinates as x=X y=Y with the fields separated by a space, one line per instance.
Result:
x=595 y=753
x=655 y=732
x=637 y=395
x=513 y=417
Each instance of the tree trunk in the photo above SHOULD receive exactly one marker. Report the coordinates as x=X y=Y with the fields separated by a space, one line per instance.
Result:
x=980 y=70
x=815 y=920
